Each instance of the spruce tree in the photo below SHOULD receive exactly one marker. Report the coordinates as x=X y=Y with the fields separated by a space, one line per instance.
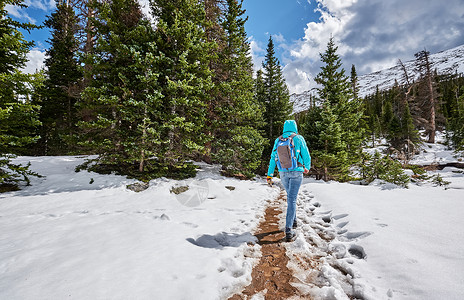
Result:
x=335 y=86
x=185 y=77
x=354 y=81
x=259 y=87
x=237 y=142
x=275 y=98
x=60 y=92
x=121 y=108
x=341 y=111
x=387 y=116
x=331 y=155
x=410 y=135
x=18 y=116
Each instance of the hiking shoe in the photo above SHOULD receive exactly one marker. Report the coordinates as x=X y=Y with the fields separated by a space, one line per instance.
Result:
x=295 y=224
x=290 y=236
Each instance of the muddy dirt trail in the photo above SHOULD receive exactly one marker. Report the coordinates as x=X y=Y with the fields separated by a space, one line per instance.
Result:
x=271 y=277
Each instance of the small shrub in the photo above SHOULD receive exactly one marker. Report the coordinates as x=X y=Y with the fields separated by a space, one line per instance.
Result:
x=384 y=168
x=152 y=170
x=12 y=175
x=437 y=180
x=420 y=174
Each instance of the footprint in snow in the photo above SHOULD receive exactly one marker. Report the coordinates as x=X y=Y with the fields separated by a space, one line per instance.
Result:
x=327 y=219
x=163 y=217
x=53 y=216
x=357 y=251
x=357 y=235
x=342 y=224
x=337 y=217
x=192 y=225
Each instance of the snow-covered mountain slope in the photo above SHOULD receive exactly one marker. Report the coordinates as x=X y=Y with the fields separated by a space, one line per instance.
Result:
x=301 y=102
x=445 y=62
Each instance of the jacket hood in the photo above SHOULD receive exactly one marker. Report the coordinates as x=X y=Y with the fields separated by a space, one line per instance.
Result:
x=290 y=126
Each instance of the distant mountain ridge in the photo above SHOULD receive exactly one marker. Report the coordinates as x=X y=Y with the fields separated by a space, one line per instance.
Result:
x=445 y=62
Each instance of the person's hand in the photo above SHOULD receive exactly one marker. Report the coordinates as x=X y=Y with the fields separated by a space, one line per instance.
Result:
x=269 y=180
x=306 y=171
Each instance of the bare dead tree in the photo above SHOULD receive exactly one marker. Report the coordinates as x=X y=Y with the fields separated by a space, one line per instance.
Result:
x=423 y=66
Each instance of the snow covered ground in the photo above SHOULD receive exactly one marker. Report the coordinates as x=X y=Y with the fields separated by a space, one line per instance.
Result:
x=64 y=238
x=382 y=243
x=85 y=236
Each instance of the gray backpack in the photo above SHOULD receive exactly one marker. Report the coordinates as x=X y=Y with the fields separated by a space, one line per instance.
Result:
x=286 y=155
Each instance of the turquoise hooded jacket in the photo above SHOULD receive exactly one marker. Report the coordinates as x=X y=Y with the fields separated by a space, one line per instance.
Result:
x=301 y=149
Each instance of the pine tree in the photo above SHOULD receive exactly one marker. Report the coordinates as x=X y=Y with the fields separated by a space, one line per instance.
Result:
x=409 y=133
x=330 y=151
x=456 y=121
x=185 y=77
x=387 y=116
x=335 y=85
x=275 y=98
x=18 y=116
x=121 y=108
x=60 y=92
x=237 y=142
x=354 y=82
x=389 y=112
x=342 y=113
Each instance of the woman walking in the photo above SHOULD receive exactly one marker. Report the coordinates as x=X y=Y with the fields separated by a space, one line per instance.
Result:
x=291 y=155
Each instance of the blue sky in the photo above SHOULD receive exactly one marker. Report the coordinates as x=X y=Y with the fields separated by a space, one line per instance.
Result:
x=281 y=19
x=371 y=34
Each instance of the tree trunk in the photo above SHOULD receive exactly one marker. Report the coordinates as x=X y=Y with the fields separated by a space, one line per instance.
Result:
x=144 y=140
x=432 y=110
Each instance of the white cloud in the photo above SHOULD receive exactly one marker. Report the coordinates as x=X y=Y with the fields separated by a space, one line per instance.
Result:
x=19 y=13
x=304 y=58
x=35 y=61
x=41 y=4
x=22 y=13
x=279 y=38
x=257 y=54
x=373 y=35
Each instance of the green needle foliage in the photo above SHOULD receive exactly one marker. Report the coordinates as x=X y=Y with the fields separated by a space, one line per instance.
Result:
x=185 y=78
x=121 y=107
x=272 y=93
x=18 y=116
x=60 y=92
x=334 y=132
x=237 y=143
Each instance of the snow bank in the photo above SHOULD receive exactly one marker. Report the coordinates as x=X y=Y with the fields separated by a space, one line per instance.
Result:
x=85 y=236
x=372 y=243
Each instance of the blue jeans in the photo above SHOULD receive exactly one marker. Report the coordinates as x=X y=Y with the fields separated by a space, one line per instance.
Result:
x=292 y=182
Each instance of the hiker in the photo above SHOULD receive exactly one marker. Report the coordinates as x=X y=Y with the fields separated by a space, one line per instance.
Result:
x=291 y=155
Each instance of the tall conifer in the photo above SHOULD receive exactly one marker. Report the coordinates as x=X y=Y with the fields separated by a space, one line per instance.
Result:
x=237 y=142
x=343 y=113
x=275 y=98
x=185 y=77
x=18 y=116
x=60 y=92
x=121 y=107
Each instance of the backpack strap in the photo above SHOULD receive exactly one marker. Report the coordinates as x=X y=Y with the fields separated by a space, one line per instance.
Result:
x=299 y=154
x=291 y=138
